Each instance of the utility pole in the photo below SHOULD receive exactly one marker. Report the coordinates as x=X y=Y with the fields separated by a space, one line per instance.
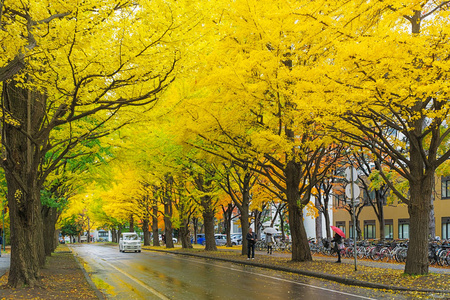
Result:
x=352 y=191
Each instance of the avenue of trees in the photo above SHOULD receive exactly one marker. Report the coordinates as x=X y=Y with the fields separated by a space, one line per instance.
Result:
x=138 y=112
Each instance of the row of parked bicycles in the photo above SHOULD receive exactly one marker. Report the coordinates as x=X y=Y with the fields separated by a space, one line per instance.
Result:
x=278 y=245
x=438 y=251
x=388 y=251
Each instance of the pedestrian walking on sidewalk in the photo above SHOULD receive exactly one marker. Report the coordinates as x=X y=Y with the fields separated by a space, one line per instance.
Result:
x=269 y=241
x=337 y=242
x=251 y=241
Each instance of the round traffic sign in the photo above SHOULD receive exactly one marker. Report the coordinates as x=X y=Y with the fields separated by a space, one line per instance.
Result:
x=356 y=190
x=350 y=174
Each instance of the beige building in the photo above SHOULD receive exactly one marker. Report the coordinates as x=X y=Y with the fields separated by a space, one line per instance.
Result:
x=396 y=216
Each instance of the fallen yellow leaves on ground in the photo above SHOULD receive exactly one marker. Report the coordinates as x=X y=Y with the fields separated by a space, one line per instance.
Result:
x=62 y=278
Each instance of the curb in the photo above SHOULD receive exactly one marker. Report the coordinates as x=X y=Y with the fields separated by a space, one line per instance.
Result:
x=88 y=278
x=335 y=278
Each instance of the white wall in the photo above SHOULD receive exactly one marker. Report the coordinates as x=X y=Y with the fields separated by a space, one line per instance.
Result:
x=310 y=223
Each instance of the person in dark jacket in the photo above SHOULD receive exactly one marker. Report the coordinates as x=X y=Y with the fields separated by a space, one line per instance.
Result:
x=251 y=241
x=269 y=241
x=337 y=241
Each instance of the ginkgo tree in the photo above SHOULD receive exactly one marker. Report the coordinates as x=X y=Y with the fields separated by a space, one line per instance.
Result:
x=244 y=106
x=79 y=62
x=384 y=73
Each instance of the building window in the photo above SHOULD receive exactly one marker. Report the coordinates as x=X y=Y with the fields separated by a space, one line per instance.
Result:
x=369 y=229
x=446 y=228
x=341 y=225
x=445 y=183
x=351 y=230
x=403 y=229
x=103 y=234
x=389 y=229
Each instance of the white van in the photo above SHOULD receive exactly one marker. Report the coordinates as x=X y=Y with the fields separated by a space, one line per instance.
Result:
x=129 y=241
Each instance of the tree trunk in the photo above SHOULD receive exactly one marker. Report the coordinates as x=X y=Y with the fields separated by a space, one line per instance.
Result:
x=432 y=226
x=195 y=224
x=88 y=238
x=244 y=209
x=244 y=225
x=419 y=212
x=119 y=231
x=208 y=219
x=419 y=208
x=49 y=218
x=300 y=245
x=381 y=218
x=114 y=235
x=155 y=232
x=282 y=216
x=168 y=230
x=358 y=226
x=21 y=163
x=145 y=229
x=257 y=217
x=227 y=215
x=300 y=249
x=168 y=212
x=327 y=223
x=131 y=228
x=185 y=235
x=208 y=206
x=27 y=249
x=318 y=221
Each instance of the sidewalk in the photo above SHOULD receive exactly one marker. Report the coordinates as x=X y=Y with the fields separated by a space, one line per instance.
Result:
x=361 y=262
x=4 y=263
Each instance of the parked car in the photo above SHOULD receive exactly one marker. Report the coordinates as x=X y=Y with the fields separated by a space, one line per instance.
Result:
x=200 y=239
x=129 y=241
x=236 y=239
x=175 y=240
x=221 y=239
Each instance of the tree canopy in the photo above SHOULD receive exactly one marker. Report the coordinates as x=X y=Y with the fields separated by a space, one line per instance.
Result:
x=176 y=99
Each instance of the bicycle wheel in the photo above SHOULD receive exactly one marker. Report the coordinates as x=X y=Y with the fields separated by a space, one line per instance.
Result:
x=258 y=246
x=402 y=254
x=361 y=253
x=349 y=252
x=447 y=258
x=384 y=254
x=289 y=247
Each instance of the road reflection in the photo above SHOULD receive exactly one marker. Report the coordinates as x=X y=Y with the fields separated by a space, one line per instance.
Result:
x=153 y=275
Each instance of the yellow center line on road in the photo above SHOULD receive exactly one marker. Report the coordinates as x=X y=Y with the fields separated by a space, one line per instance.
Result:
x=150 y=289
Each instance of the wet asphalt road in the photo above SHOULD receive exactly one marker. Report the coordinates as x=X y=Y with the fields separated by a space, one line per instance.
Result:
x=155 y=275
